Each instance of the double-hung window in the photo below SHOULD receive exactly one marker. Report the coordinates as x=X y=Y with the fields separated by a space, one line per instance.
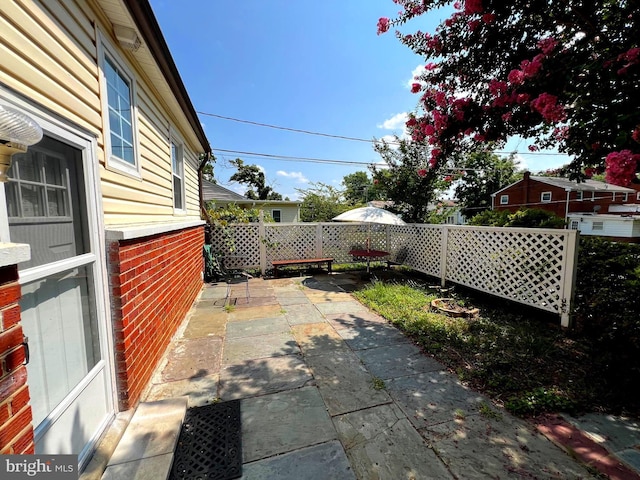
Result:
x=545 y=197
x=504 y=199
x=119 y=112
x=177 y=169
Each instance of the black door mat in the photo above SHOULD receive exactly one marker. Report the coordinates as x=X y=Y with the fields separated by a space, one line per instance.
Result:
x=210 y=444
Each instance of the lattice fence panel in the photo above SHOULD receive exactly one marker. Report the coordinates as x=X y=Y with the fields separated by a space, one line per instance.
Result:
x=240 y=239
x=290 y=241
x=339 y=238
x=418 y=247
x=526 y=266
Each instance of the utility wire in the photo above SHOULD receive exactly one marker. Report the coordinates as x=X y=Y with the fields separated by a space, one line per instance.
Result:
x=296 y=159
x=342 y=137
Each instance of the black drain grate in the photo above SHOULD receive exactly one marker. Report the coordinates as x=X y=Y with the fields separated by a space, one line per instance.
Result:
x=210 y=444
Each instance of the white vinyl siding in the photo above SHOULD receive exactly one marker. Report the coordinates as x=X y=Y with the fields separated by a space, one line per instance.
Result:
x=52 y=53
x=276 y=215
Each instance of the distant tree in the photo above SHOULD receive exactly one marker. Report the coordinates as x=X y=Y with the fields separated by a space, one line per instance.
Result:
x=207 y=171
x=525 y=217
x=359 y=188
x=407 y=182
x=321 y=202
x=252 y=176
x=482 y=174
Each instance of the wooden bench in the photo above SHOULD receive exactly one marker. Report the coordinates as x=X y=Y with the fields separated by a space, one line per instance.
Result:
x=302 y=261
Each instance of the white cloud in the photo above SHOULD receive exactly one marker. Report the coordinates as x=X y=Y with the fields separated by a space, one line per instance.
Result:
x=419 y=70
x=395 y=122
x=297 y=176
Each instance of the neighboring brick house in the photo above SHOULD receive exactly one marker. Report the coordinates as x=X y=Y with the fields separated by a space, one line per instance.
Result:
x=563 y=196
x=100 y=229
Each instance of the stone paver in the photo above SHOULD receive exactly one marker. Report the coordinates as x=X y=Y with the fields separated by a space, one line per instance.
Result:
x=433 y=397
x=254 y=313
x=299 y=314
x=317 y=338
x=480 y=447
x=206 y=322
x=397 y=360
x=200 y=391
x=345 y=385
x=237 y=350
x=262 y=376
x=282 y=422
x=381 y=443
x=320 y=462
x=193 y=358
x=361 y=318
x=260 y=326
x=371 y=336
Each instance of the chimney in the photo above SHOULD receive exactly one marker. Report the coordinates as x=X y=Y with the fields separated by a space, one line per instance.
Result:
x=526 y=175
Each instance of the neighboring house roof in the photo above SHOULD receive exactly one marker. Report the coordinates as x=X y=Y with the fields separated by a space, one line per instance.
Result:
x=145 y=20
x=212 y=191
x=572 y=185
x=216 y=193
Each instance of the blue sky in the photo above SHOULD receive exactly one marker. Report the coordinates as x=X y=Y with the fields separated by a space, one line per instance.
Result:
x=316 y=66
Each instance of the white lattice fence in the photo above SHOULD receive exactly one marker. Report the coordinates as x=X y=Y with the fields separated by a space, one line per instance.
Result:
x=532 y=266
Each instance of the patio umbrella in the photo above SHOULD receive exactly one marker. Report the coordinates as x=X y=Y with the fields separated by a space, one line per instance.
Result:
x=369 y=215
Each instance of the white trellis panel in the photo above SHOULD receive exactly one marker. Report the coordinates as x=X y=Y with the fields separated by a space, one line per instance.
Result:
x=526 y=265
x=531 y=266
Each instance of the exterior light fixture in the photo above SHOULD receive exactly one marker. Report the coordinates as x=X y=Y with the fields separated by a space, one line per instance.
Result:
x=17 y=132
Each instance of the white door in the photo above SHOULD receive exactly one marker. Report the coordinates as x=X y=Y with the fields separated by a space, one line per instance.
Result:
x=51 y=206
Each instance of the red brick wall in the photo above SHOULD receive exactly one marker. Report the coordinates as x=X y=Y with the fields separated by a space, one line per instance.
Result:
x=16 y=431
x=522 y=197
x=154 y=281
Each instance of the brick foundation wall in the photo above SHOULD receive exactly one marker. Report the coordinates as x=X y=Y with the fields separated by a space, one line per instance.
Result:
x=16 y=431
x=154 y=281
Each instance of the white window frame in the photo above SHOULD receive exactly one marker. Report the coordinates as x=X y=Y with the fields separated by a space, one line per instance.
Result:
x=504 y=199
x=175 y=140
x=625 y=197
x=638 y=196
x=575 y=225
x=543 y=195
x=597 y=226
x=280 y=214
x=112 y=162
x=613 y=197
x=579 y=195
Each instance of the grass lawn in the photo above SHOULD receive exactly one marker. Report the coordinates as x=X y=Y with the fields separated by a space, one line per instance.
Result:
x=519 y=356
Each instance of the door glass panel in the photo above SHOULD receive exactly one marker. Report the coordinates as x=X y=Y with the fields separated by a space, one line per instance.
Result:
x=39 y=200
x=59 y=317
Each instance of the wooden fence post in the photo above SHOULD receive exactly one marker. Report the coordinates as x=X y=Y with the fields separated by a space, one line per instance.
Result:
x=263 y=244
x=570 y=274
x=443 y=255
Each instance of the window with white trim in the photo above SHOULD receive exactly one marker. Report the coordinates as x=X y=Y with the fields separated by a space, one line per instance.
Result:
x=177 y=170
x=504 y=199
x=625 y=197
x=597 y=226
x=276 y=215
x=545 y=197
x=638 y=196
x=119 y=89
x=579 y=195
x=575 y=224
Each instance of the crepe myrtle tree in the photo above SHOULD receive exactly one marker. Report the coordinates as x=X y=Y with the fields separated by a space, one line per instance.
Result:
x=564 y=73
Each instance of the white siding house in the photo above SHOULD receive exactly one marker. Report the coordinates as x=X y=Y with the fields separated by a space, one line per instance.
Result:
x=620 y=227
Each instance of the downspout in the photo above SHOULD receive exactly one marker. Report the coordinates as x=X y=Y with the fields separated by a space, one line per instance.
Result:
x=566 y=212
x=203 y=209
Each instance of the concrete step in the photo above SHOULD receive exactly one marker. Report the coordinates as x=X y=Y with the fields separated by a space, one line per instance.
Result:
x=145 y=451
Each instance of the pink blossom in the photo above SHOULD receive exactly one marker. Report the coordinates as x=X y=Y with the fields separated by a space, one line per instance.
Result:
x=431 y=66
x=531 y=68
x=383 y=25
x=435 y=153
x=415 y=87
x=497 y=87
x=516 y=77
x=411 y=122
x=472 y=6
x=547 y=106
x=636 y=134
x=428 y=129
x=488 y=18
x=473 y=24
x=547 y=45
x=589 y=172
x=633 y=55
x=440 y=98
x=457 y=5
x=507 y=116
x=433 y=162
x=533 y=148
x=479 y=138
x=621 y=167
x=561 y=133
x=422 y=172
x=448 y=178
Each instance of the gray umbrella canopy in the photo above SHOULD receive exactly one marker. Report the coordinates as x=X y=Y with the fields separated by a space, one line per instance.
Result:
x=370 y=215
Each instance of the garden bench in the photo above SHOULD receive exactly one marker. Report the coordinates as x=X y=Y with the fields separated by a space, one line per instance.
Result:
x=301 y=261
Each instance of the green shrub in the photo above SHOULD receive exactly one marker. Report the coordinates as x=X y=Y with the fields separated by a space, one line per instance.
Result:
x=539 y=400
x=526 y=217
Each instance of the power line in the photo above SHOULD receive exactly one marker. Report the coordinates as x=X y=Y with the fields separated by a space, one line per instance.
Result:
x=296 y=159
x=343 y=137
